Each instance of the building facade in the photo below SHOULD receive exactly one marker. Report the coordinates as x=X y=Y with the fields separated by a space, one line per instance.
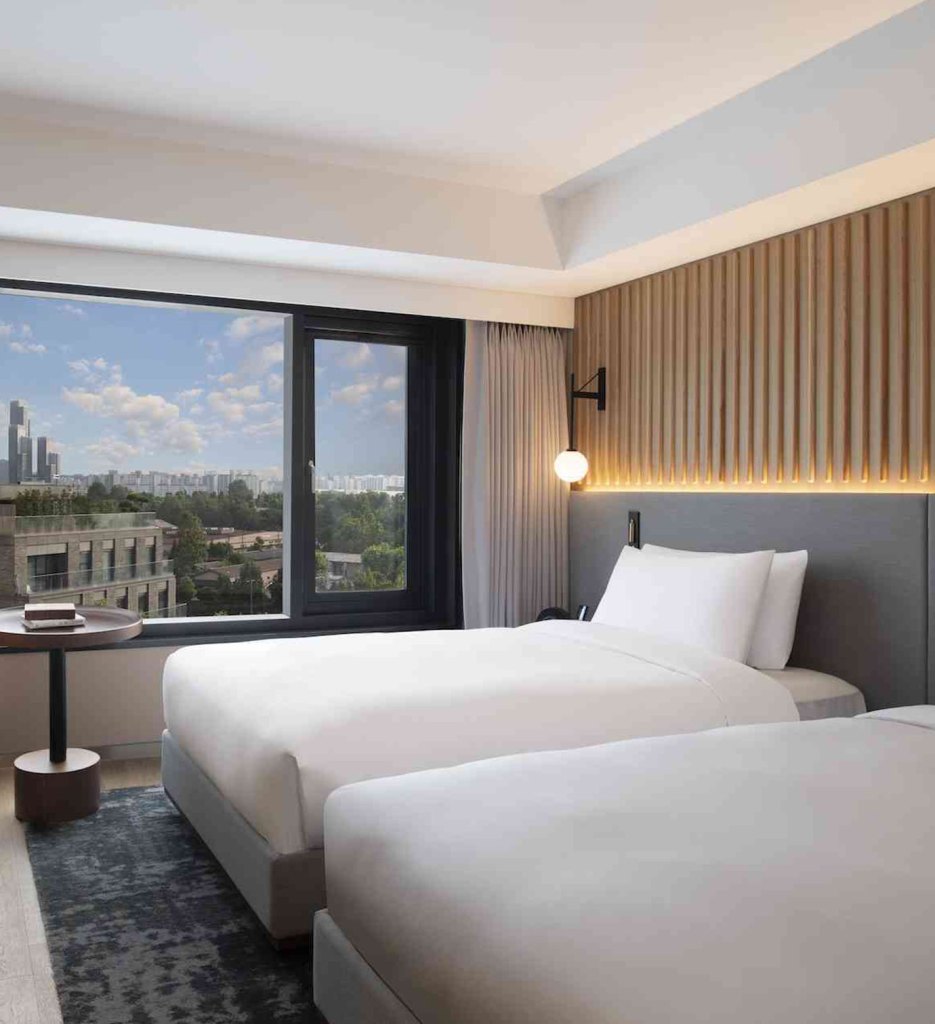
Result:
x=114 y=559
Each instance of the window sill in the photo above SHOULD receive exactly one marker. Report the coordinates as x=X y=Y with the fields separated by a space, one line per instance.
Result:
x=245 y=628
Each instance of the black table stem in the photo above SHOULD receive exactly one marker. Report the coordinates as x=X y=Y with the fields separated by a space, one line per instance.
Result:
x=58 y=707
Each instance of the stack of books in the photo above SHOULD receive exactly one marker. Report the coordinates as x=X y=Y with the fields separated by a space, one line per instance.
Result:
x=51 y=616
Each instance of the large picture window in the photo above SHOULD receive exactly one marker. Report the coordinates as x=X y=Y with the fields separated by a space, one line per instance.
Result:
x=228 y=467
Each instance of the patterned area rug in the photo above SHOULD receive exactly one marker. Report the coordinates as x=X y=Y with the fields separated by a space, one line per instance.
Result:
x=144 y=926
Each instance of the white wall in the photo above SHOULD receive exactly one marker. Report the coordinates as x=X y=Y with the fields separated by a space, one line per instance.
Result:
x=63 y=264
x=114 y=698
x=93 y=173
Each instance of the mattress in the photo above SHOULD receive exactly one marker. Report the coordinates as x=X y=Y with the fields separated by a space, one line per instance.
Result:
x=276 y=725
x=819 y=695
x=772 y=873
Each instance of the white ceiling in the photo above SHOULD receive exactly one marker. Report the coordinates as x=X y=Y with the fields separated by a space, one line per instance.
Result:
x=513 y=94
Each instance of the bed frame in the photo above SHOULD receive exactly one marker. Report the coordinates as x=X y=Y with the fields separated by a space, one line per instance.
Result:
x=864 y=618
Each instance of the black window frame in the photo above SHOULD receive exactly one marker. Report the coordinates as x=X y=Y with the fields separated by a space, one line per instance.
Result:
x=435 y=371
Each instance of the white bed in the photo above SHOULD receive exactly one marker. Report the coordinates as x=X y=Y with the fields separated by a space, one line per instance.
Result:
x=276 y=725
x=774 y=873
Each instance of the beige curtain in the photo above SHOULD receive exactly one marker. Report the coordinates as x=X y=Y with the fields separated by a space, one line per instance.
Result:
x=514 y=507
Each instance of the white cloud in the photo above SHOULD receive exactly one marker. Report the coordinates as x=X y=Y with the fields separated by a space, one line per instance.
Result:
x=274 y=383
x=393 y=408
x=149 y=419
x=392 y=383
x=232 y=404
x=244 y=327
x=269 y=428
x=6 y=330
x=354 y=394
x=73 y=310
x=121 y=402
x=212 y=349
x=358 y=354
x=182 y=436
x=190 y=395
x=24 y=348
x=227 y=379
x=259 y=361
x=25 y=331
x=112 y=451
x=96 y=372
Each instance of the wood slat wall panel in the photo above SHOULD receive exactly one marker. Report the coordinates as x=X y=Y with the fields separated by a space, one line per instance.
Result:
x=802 y=361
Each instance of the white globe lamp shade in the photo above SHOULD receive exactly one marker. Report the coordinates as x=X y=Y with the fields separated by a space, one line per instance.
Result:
x=571 y=466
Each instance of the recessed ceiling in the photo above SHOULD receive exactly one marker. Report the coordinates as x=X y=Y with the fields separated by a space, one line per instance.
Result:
x=516 y=94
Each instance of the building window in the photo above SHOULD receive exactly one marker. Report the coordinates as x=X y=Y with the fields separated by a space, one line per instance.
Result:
x=203 y=422
x=122 y=600
x=109 y=567
x=85 y=565
x=47 y=571
x=142 y=602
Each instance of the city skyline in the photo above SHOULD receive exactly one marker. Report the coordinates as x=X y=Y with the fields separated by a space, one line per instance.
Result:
x=118 y=386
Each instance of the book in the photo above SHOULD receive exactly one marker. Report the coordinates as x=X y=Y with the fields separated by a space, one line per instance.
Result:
x=67 y=623
x=35 y=612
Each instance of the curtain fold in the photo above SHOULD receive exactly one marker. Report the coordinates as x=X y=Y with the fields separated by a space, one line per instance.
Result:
x=514 y=507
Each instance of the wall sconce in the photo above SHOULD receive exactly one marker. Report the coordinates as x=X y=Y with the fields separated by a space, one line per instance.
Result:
x=572 y=465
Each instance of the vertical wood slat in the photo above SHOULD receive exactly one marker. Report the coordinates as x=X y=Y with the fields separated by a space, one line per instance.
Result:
x=805 y=360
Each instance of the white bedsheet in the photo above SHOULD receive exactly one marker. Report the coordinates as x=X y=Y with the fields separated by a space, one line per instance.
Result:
x=777 y=874
x=278 y=724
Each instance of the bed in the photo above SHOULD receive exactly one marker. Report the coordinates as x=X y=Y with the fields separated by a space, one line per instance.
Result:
x=252 y=770
x=770 y=873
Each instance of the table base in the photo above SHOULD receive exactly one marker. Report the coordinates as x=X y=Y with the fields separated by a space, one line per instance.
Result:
x=46 y=792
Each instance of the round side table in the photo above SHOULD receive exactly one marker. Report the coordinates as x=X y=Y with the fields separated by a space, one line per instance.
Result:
x=61 y=783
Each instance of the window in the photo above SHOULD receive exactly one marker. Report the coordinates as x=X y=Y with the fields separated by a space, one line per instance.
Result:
x=289 y=462
x=109 y=562
x=142 y=602
x=85 y=564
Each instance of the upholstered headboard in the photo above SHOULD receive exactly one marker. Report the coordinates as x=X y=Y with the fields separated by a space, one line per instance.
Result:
x=864 y=614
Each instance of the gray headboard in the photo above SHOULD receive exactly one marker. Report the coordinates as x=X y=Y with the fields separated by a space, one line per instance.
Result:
x=864 y=614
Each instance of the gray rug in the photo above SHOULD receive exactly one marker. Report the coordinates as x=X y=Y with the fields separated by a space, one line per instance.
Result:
x=144 y=927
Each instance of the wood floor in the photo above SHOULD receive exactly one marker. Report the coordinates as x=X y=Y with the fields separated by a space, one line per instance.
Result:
x=27 y=992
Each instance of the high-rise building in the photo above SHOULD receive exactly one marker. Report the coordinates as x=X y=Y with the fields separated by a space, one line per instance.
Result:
x=19 y=444
x=22 y=467
x=48 y=460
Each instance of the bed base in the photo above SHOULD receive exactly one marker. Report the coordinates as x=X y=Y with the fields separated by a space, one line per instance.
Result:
x=284 y=890
x=347 y=990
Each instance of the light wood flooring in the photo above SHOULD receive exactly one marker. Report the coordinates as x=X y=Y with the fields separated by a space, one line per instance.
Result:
x=27 y=992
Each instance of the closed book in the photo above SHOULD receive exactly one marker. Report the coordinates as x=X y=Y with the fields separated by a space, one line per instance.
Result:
x=63 y=610
x=69 y=623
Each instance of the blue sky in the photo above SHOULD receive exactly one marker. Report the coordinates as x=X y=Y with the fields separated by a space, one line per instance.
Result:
x=126 y=387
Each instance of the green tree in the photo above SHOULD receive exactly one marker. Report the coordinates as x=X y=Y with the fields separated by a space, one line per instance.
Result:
x=191 y=547
x=383 y=568
x=185 y=590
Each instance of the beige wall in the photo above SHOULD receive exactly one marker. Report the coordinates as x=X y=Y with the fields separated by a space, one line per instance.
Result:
x=114 y=699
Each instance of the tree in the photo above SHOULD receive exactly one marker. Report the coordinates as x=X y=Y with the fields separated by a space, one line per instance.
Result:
x=191 y=547
x=383 y=568
x=239 y=491
x=185 y=590
x=97 y=491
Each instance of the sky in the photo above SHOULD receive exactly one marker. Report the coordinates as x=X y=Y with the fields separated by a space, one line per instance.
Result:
x=188 y=389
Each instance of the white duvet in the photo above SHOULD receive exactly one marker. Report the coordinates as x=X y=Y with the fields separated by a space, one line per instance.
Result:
x=777 y=874
x=278 y=724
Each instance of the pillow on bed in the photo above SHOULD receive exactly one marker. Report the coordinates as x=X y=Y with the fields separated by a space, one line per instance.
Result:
x=705 y=602
x=774 y=632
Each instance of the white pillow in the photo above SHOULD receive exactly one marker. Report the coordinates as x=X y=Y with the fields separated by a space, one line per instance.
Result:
x=705 y=602
x=774 y=632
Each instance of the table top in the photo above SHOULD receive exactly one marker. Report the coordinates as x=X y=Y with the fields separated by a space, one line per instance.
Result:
x=102 y=626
